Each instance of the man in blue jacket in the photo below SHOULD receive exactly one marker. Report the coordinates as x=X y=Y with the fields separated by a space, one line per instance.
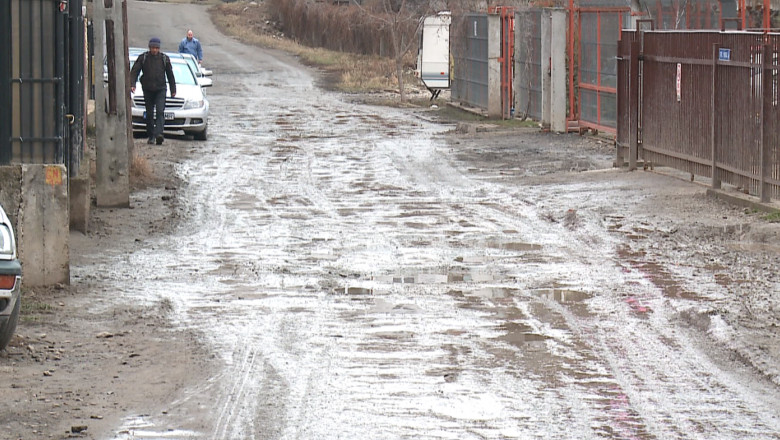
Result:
x=191 y=45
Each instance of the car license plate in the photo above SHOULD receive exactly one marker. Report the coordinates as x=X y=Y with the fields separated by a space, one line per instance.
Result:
x=168 y=116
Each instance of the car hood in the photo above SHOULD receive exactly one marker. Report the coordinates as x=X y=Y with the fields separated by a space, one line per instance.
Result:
x=184 y=91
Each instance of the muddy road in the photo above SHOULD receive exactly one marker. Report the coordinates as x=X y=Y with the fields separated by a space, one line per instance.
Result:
x=336 y=270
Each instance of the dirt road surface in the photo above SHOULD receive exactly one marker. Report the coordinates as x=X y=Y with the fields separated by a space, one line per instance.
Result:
x=321 y=269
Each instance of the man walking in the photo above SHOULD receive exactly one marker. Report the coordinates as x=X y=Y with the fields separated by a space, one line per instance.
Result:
x=191 y=45
x=156 y=66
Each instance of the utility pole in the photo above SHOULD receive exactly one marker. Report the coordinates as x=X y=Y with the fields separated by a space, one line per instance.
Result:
x=112 y=115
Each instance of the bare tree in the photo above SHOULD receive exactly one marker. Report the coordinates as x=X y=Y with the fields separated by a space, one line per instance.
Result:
x=402 y=19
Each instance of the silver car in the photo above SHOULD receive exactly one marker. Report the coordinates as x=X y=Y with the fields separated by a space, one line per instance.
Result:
x=200 y=72
x=10 y=281
x=187 y=112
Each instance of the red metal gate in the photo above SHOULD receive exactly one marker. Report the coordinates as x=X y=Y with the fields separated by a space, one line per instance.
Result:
x=507 y=17
x=593 y=50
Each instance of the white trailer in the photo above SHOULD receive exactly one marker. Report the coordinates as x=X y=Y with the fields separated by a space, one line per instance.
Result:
x=433 y=55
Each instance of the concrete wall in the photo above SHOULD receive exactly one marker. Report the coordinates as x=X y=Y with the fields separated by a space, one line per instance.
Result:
x=35 y=197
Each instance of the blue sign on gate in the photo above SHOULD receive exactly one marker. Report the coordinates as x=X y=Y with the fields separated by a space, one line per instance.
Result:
x=724 y=54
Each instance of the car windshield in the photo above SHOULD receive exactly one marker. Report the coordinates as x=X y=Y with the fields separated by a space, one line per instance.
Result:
x=192 y=63
x=183 y=74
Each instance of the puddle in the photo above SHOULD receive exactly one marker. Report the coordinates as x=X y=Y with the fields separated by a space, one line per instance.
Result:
x=521 y=335
x=358 y=291
x=517 y=246
x=562 y=296
x=470 y=277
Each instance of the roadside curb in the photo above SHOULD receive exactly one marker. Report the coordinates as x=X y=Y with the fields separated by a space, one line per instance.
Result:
x=743 y=200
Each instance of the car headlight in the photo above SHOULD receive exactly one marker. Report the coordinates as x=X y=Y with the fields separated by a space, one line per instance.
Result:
x=192 y=104
x=6 y=241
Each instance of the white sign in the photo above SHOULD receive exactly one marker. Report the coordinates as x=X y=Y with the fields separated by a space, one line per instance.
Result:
x=679 y=76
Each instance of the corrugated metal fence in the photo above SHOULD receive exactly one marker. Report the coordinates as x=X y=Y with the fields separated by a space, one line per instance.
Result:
x=469 y=42
x=41 y=81
x=709 y=104
x=528 y=64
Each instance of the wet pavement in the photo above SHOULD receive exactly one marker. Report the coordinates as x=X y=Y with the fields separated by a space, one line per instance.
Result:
x=356 y=277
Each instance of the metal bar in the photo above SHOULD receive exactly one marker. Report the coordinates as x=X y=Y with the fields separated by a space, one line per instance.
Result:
x=763 y=161
x=570 y=49
x=5 y=83
x=599 y=127
x=596 y=88
x=634 y=97
x=36 y=80
x=598 y=66
x=716 y=183
x=696 y=61
x=61 y=124
x=603 y=9
x=677 y=155
x=35 y=139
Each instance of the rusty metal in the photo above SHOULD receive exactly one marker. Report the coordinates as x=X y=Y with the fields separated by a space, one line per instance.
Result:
x=598 y=31
x=709 y=104
x=506 y=65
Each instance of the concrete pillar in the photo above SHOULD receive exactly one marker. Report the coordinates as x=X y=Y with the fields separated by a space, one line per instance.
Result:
x=558 y=70
x=35 y=198
x=112 y=155
x=546 y=30
x=494 y=67
x=80 y=200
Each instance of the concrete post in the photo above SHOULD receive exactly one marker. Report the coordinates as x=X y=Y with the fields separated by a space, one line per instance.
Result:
x=35 y=198
x=558 y=71
x=494 y=67
x=112 y=158
x=546 y=28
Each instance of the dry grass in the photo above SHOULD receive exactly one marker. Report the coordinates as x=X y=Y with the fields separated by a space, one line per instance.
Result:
x=353 y=73
x=141 y=171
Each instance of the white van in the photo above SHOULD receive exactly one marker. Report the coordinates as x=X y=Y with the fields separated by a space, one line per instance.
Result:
x=433 y=56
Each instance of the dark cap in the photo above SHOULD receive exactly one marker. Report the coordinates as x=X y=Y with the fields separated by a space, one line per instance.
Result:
x=154 y=42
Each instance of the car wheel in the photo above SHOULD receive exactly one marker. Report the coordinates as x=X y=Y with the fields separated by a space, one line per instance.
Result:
x=201 y=135
x=7 y=329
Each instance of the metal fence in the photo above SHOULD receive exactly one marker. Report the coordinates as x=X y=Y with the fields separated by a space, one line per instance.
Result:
x=599 y=30
x=41 y=79
x=709 y=104
x=469 y=37
x=528 y=64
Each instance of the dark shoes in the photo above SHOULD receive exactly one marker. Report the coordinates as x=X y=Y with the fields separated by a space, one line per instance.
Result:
x=160 y=139
x=150 y=141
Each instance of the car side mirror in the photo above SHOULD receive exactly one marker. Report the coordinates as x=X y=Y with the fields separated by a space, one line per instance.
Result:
x=204 y=82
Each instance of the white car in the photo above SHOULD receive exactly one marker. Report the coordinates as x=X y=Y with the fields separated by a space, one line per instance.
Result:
x=200 y=72
x=187 y=112
x=10 y=281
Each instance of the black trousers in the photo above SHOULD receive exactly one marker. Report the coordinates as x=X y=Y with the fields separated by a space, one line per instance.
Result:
x=155 y=112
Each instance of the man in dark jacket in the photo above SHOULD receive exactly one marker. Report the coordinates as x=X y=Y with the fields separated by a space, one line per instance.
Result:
x=156 y=66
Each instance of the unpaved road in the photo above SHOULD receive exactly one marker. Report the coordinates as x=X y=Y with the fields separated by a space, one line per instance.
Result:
x=320 y=269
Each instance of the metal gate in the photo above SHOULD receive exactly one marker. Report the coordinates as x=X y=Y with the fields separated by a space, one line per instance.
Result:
x=470 y=51
x=708 y=104
x=528 y=64
x=41 y=81
x=598 y=32
x=506 y=16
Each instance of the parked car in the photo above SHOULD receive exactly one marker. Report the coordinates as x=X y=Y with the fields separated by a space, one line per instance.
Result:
x=200 y=72
x=188 y=111
x=10 y=281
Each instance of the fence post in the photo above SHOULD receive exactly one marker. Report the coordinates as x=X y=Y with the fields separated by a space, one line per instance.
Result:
x=764 y=188
x=713 y=114
x=558 y=71
x=494 y=66
x=634 y=96
x=546 y=65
